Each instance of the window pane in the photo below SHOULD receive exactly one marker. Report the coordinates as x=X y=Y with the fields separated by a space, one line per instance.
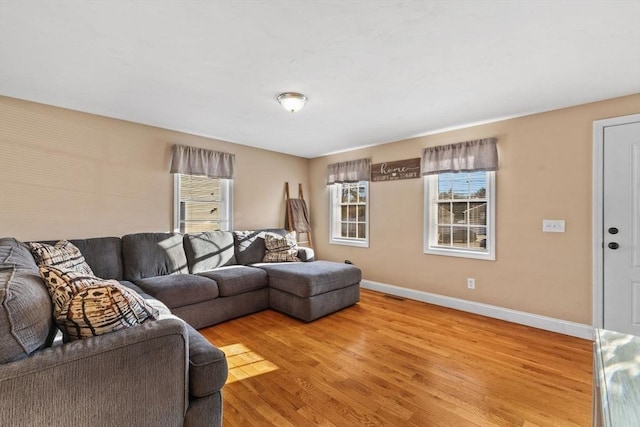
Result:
x=200 y=211
x=477 y=214
x=445 y=186
x=343 y=231
x=459 y=212
x=352 y=230
x=345 y=194
x=353 y=194
x=343 y=213
x=461 y=236
x=199 y=188
x=352 y=213
x=480 y=234
x=478 y=185
x=362 y=194
x=444 y=213
x=362 y=231
x=362 y=213
x=444 y=235
x=461 y=186
x=469 y=185
x=480 y=193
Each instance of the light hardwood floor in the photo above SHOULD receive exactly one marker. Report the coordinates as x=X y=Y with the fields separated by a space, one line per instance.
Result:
x=401 y=363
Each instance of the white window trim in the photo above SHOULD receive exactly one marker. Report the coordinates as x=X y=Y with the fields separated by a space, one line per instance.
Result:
x=334 y=206
x=226 y=198
x=430 y=193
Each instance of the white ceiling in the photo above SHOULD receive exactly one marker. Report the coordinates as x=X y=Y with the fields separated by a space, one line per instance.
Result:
x=374 y=71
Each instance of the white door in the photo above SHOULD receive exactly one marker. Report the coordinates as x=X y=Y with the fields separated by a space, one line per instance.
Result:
x=621 y=227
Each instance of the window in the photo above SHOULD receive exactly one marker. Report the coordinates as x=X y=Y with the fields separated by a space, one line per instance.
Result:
x=459 y=214
x=202 y=204
x=349 y=216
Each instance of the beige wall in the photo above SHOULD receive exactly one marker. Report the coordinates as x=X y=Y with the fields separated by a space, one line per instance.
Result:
x=65 y=174
x=545 y=173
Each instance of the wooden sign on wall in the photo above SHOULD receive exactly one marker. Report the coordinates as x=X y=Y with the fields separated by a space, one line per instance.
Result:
x=392 y=171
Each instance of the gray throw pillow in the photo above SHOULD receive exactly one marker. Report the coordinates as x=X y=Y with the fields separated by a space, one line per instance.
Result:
x=26 y=324
x=209 y=250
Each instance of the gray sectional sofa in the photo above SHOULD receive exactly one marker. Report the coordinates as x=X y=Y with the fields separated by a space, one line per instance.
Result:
x=162 y=372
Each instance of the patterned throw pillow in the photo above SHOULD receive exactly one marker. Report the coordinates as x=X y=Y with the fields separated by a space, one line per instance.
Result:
x=280 y=249
x=86 y=306
x=64 y=256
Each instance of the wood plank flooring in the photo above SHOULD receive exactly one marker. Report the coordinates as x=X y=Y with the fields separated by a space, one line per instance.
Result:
x=390 y=362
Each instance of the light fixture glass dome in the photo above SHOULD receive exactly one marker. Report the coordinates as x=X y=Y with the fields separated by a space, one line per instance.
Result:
x=292 y=101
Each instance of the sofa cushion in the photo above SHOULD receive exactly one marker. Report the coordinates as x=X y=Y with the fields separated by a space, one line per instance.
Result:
x=104 y=256
x=64 y=256
x=280 y=249
x=207 y=365
x=306 y=279
x=249 y=245
x=163 y=310
x=14 y=252
x=86 y=306
x=180 y=289
x=237 y=279
x=135 y=288
x=153 y=254
x=209 y=250
x=26 y=324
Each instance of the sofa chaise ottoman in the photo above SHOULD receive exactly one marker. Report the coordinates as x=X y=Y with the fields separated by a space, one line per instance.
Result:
x=308 y=291
x=305 y=290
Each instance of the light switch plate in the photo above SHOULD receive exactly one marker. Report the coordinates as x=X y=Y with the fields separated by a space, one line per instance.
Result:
x=553 y=225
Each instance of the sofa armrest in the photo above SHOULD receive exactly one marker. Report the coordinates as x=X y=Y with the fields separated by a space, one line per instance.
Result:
x=208 y=367
x=305 y=254
x=137 y=376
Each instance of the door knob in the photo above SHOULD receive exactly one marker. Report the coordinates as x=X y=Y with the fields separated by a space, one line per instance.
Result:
x=613 y=230
x=613 y=245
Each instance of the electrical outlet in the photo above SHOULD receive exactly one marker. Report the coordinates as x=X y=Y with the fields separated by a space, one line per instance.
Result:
x=471 y=283
x=553 y=225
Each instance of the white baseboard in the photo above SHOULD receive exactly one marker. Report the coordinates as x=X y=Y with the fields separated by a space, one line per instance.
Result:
x=579 y=330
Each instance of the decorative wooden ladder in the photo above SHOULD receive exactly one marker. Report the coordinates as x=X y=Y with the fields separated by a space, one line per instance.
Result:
x=290 y=223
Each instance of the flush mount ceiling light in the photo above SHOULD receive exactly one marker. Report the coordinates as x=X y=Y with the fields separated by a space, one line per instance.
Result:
x=292 y=101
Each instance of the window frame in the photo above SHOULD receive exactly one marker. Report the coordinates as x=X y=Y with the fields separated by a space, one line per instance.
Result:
x=430 y=222
x=335 y=217
x=226 y=203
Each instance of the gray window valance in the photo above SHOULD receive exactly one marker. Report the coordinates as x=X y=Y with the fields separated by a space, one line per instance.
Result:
x=469 y=156
x=202 y=162
x=351 y=171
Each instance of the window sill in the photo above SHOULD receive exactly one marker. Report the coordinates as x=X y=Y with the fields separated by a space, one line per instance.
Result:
x=345 y=242
x=460 y=253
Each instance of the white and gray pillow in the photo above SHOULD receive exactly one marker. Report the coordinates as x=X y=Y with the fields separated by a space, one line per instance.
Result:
x=86 y=306
x=64 y=256
x=281 y=249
